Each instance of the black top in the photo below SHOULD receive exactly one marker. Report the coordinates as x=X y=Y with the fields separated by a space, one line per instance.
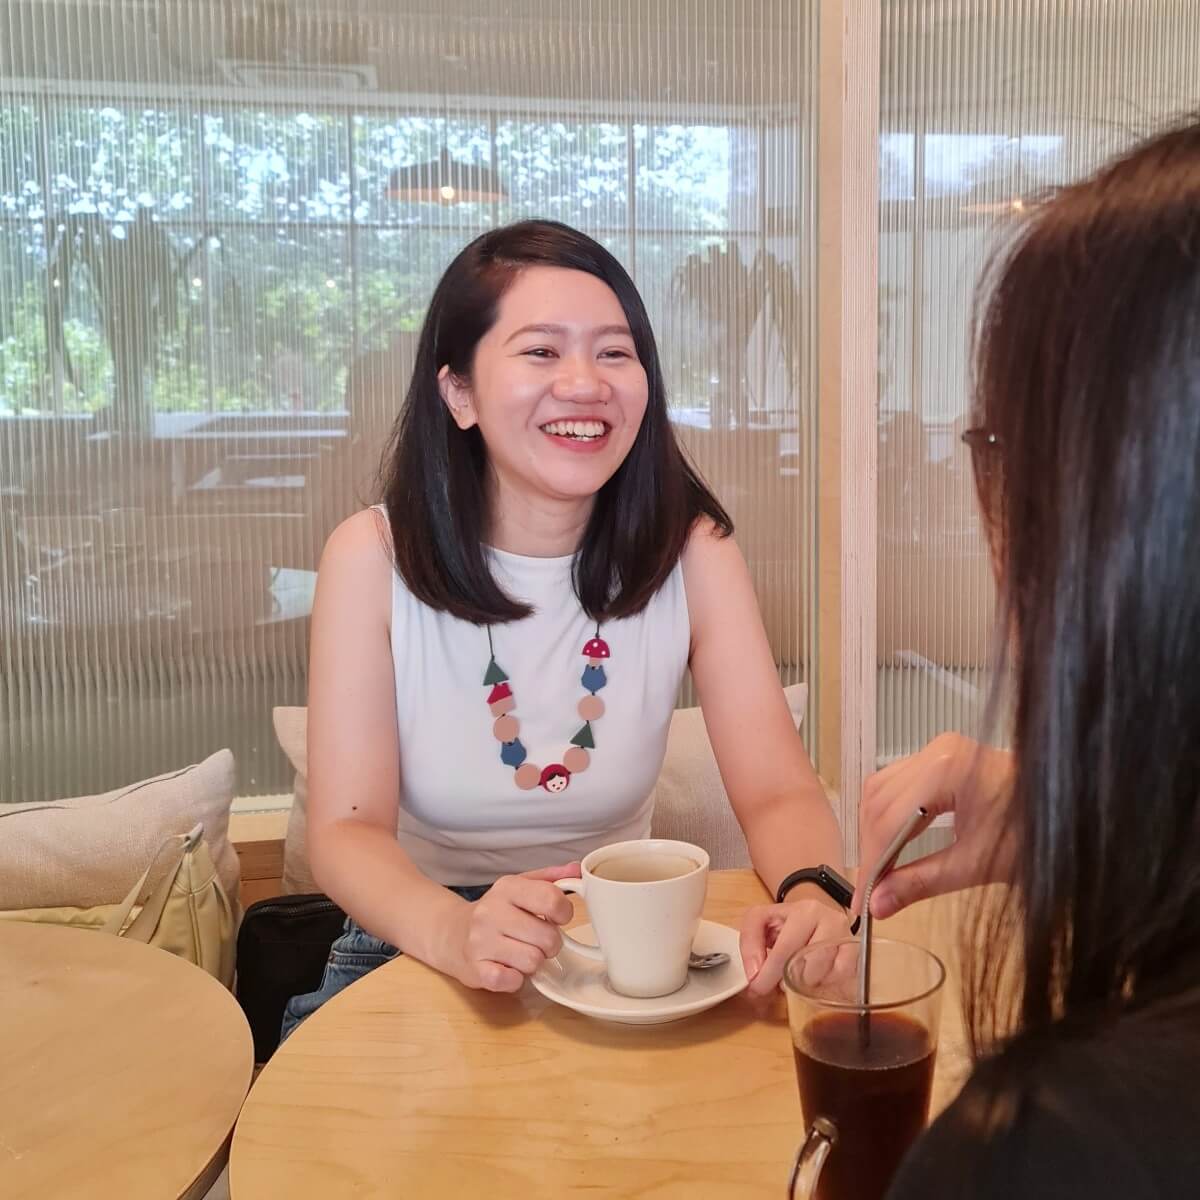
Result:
x=1110 y=1113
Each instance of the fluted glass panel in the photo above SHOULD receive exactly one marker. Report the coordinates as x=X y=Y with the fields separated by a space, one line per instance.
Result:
x=220 y=224
x=986 y=106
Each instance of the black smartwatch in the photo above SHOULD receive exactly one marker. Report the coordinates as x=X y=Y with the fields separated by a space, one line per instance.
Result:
x=827 y=879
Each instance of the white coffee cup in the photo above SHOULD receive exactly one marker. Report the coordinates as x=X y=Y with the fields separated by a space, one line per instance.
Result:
x=646 y=915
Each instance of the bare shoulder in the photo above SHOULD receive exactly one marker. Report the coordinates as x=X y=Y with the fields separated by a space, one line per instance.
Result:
x=720 y=593
x=357 y=562
x=360 y=543
x=709 y=554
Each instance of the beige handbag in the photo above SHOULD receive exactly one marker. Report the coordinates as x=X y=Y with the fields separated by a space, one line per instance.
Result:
x=187 y=914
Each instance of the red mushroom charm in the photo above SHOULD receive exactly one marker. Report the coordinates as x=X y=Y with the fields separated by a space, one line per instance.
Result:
x=596 y=650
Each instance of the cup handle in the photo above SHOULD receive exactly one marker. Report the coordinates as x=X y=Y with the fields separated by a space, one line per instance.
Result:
x=581 y=948
x=810 y=1158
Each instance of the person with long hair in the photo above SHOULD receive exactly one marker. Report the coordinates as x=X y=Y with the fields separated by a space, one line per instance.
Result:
x=497 y=648
x=1086 y=444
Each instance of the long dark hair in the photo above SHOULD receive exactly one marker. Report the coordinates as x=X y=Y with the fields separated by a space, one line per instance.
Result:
x=1088 y=392
x=435 y=474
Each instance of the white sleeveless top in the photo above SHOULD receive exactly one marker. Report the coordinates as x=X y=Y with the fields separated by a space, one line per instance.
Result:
x=463 y=819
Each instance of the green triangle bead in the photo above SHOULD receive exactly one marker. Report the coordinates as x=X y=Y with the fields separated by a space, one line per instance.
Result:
x=494 y=674
x=583 y=739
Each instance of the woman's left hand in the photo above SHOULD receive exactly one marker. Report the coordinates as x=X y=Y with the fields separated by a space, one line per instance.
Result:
x=772 y=933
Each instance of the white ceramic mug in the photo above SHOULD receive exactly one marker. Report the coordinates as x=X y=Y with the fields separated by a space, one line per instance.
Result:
x=645 y=927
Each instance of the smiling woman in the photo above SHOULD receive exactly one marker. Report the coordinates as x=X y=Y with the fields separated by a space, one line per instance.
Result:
x=544 y=388
x=543 y=547
x=507 y=375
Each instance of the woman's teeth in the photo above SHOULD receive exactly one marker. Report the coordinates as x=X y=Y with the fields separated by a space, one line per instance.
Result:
x=583 y=430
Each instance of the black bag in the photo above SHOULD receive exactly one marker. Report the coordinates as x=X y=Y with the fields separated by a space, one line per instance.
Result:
x=282 y=948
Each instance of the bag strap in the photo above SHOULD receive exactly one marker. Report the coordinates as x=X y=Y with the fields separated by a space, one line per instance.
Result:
x=144 y=925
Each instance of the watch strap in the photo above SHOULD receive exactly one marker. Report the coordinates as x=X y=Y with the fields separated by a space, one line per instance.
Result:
x=835 y=886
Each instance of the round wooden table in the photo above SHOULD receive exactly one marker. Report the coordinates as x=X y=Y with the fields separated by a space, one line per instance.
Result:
x=408 y=1084
x=122 y=1068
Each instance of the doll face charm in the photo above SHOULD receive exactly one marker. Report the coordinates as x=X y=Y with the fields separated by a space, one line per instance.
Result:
x=555 y=779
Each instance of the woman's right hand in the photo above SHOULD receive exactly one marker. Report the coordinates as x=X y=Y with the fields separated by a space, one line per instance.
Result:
x=954 y=774
x=498 y=941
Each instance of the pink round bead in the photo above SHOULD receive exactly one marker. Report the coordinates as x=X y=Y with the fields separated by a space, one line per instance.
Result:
x=576 y=759
x=527 y=776
x=506 y=728
x=591 y=708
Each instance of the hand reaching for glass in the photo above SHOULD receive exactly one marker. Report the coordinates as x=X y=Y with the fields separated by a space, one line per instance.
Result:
x=951 y=774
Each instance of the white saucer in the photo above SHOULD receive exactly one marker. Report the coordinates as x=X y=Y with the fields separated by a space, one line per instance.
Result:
x=581 y=984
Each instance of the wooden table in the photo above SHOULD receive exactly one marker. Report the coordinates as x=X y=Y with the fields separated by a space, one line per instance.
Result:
x=122 y=1068
x=407 y=1084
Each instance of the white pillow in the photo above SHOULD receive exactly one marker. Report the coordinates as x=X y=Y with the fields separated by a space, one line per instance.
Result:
x=291 y=728
x=690 y=803
x=89 y=850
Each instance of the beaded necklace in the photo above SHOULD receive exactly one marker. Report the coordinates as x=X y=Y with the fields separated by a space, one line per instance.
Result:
x=556 y=776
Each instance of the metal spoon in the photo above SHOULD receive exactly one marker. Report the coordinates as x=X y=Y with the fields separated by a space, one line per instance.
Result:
x=705 y=962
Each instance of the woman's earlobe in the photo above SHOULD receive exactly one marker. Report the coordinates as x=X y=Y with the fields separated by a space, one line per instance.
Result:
x=456 y=395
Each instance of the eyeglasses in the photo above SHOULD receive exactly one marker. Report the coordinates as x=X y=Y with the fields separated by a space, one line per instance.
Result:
x=986 y=461
x=980 y=438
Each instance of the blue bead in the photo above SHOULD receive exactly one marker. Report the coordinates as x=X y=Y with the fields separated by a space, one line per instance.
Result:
x=593 y=678
x=512 y=754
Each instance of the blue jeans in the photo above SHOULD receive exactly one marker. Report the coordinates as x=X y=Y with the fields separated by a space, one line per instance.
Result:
x=353 y=954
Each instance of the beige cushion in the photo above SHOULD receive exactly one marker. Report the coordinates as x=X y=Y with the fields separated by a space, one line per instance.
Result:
x=689 y=799
x=89 y=850
x=291 y=728
x=690 y=803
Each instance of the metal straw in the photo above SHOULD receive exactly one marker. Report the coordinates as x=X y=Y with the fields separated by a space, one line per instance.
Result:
x=886 y=861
